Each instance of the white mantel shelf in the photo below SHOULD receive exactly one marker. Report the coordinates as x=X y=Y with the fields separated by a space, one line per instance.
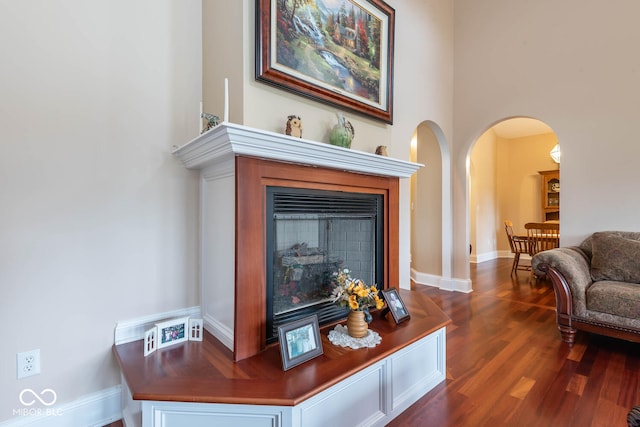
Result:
x=227 y=140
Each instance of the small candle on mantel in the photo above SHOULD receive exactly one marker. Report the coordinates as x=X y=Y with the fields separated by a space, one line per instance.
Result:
x=226 y=99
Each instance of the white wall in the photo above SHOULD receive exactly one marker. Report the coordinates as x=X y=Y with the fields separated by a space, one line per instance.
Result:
x=98 y=220
x=571 y=64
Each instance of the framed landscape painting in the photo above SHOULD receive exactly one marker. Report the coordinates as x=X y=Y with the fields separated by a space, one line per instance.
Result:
x=339 y=52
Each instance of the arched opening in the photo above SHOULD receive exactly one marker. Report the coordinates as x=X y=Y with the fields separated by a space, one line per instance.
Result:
x=431 y=212
x=505 y=182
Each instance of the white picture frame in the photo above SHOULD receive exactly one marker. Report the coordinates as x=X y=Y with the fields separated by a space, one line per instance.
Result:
x=171 y=332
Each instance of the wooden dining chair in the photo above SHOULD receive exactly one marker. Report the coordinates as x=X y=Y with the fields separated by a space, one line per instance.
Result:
x=518 y=245
x=542 y=236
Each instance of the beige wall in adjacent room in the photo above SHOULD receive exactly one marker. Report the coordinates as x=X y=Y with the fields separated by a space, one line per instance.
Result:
x=519 y=183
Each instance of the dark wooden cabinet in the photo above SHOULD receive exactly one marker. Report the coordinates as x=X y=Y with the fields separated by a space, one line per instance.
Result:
x=550 y=186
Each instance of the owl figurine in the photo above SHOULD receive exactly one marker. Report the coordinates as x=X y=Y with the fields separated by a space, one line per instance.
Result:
x=294 y=126
x=381 y=150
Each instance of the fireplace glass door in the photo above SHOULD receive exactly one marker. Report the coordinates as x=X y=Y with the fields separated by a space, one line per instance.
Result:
x=312 y=234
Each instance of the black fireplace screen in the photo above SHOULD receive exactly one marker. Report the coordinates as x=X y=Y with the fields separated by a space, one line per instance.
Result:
x=311 y=234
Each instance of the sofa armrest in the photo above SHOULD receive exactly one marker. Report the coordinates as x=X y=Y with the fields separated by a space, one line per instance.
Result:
x=633 y=418
x=570 y=271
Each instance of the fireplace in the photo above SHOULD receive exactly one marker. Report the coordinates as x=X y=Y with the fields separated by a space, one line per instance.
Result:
x=310 y=235
x=238 y=167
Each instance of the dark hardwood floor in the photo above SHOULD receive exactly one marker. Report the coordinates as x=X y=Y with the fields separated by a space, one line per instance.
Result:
x=506 y=364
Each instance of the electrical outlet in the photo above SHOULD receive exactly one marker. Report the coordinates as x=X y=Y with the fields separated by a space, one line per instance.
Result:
x=28 y=363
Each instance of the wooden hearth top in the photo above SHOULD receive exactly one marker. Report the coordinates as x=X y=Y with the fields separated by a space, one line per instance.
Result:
x=205 y=372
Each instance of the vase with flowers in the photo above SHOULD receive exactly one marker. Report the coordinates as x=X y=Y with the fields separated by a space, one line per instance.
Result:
x=359 y=298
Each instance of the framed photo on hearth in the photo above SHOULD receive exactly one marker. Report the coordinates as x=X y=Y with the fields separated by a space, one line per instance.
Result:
x=172 y=332
x=299 y=341
x=339 y=52
x=395 y=305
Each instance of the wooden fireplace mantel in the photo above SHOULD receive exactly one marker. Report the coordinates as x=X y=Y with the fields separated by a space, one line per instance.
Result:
x=236 y=166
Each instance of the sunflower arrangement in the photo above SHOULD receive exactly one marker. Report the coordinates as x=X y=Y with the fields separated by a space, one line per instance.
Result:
x=354 y=293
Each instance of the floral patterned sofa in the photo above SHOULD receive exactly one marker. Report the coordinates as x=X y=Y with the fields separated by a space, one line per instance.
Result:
x=597 y=285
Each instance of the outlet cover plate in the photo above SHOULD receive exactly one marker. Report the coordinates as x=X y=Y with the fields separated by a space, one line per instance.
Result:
x=28 y=363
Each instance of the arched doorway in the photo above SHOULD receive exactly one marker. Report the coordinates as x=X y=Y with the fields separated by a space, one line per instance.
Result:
x=504 y=182
x=431 y=211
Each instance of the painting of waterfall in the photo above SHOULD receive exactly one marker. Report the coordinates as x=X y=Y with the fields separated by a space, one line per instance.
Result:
x=335 y=51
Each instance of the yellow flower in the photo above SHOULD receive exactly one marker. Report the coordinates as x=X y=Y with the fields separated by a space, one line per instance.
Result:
x=354 y=293
x=361 y=291
x=353 y=302
x=379 y=302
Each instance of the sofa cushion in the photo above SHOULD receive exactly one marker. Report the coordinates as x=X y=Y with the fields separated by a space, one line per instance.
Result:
x=615 y=257
x=618 y=298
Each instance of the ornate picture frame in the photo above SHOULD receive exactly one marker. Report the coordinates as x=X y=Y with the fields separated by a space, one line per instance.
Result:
x=299 y=341
x=339 y=52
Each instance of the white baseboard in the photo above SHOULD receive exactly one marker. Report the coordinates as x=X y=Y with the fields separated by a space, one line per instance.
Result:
x=425 y=278
x=496 y=254
x=446 y=284
x=133 y=330
x=102 y=407
x=458 y=285
x=220 y=331
x=487 y=256
x=93 y=410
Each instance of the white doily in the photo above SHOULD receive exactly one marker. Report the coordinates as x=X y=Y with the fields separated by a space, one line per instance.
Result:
x=340 y=336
